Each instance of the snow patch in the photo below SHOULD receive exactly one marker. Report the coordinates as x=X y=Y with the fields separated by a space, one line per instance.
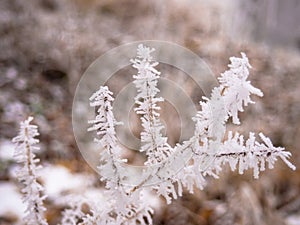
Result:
x=59 y=180
x=11 y=201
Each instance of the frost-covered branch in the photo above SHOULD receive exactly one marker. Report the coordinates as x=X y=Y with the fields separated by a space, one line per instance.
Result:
x=25 y=146
x=202 y=155
x=210 y=153
x=249 y=154
x=236 y=88
x=154 y=144
x=209 y=150
x=104 y=125
x=121 y=207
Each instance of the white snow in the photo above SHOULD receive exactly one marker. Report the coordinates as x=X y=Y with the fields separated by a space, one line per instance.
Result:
x=6 y=150
x=10 y=201
x=58 y=180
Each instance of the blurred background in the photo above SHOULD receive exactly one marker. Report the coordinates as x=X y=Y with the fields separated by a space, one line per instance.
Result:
x=46 y=45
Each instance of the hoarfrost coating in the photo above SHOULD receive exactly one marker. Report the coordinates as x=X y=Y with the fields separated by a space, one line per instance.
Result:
x=206 y=150
x=27 y=174
x=209 y=151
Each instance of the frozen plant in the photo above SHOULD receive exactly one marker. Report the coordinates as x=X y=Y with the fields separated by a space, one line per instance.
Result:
x=28 y=172
x=122 y=206
x=154 y=144
x=168 y=169
x=206 y=150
